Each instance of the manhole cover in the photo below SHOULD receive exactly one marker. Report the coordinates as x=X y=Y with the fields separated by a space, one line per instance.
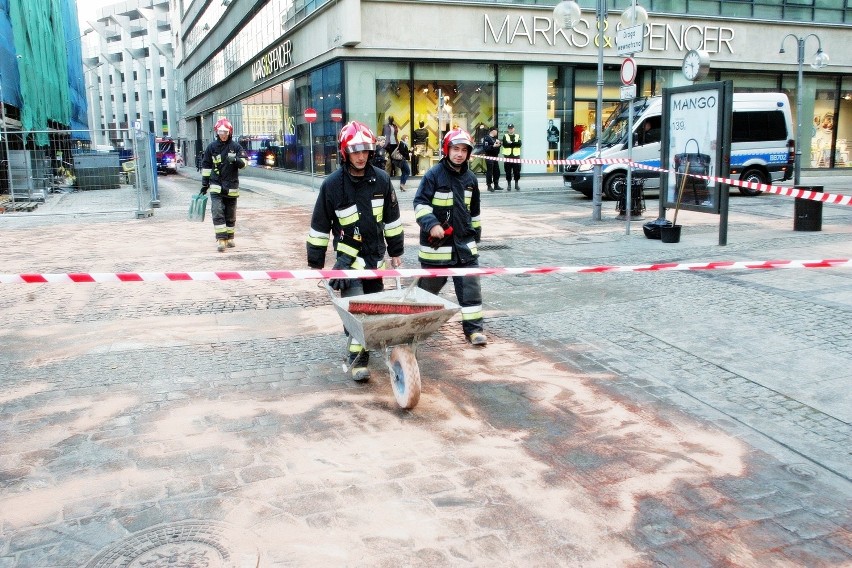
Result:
x=802 y=470
x=185 y=544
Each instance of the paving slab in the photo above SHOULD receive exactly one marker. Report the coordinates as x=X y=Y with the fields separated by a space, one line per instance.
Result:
x=633 y=419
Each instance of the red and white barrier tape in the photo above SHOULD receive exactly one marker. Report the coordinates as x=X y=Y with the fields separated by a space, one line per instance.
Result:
x=831 y=198
x=102 y=277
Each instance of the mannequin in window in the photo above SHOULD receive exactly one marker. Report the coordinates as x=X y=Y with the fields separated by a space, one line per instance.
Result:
x=445 y=117
x=420 y=140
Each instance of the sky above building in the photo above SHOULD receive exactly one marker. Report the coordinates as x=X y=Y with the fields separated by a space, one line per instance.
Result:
x=88 y=9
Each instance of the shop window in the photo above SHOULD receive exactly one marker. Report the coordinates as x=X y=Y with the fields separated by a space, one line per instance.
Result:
x=822 y=130
x=273 y=129
x=704 y=7
x=736 y=9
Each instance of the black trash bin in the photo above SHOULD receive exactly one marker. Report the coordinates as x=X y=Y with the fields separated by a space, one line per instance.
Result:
x=637 y=199
x=807 y=214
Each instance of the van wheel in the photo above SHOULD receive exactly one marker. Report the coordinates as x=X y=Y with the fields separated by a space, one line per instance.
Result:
x=755 y=176
x=615 y=186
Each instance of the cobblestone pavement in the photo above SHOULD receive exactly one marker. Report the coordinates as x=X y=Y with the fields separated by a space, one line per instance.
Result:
x=622 y=419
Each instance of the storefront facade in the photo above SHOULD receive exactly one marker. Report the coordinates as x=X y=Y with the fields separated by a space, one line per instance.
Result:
x=493 y=65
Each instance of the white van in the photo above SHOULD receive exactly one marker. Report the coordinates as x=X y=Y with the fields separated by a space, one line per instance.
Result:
x=762 y=145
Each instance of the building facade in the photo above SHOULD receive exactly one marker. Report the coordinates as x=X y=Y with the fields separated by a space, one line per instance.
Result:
x=263 y=64
x=42 y=96
x=130 y=72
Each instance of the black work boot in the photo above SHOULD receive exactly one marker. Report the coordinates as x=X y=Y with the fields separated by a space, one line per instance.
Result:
x=358 y=370
x=490 y=188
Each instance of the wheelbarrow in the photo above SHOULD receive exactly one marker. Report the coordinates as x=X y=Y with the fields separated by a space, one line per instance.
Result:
x=393 y=322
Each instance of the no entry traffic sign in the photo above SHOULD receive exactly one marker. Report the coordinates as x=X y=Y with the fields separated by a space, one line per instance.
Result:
x=336 y=115
x=310 y=114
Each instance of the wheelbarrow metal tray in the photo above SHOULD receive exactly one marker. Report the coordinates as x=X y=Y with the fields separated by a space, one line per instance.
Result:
x=376 y=331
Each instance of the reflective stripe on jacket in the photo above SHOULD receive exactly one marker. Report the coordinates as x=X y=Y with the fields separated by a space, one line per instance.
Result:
x=448 y=198
x=217 y=173
x=362 y=216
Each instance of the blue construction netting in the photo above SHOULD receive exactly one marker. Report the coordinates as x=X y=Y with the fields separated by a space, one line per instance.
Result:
x=51 y=79
x=11 y=83
x=76 y=80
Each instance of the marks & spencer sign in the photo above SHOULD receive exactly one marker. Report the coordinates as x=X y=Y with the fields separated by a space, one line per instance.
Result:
x=540 y=30
x=275 y=60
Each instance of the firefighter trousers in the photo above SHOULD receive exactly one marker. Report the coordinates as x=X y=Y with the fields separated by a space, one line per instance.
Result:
x=223 y=210
x=468 y=293
x=357 y=288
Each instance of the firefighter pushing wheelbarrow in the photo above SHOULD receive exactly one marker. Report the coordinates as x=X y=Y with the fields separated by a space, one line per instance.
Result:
x=357 y=206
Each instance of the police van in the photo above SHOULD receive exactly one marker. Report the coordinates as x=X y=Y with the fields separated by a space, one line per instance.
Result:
x=762 y=145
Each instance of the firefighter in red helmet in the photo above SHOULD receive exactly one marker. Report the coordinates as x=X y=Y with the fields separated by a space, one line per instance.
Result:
x=446 y=207
x=220 y=167
x=357 y=205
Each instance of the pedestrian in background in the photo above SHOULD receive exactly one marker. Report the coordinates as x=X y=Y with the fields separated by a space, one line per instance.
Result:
x=491 y=148
x=511 y=143
x=220 y=167
x=390 y=131
x=446 y=207
x=403 y=154
x=358 y=207
x=380 y=156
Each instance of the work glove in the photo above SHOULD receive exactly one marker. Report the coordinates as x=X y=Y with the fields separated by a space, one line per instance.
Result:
x=437 y=243
x=204 y=189
x=341 y=284
x=232 y=157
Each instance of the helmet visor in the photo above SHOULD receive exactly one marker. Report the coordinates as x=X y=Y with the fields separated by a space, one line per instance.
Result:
x=360 y=147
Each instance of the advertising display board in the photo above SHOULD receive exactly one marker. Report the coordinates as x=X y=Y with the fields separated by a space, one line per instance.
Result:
x=696 y=149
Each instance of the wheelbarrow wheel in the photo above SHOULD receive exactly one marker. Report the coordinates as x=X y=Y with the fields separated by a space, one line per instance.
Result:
x=405 y=376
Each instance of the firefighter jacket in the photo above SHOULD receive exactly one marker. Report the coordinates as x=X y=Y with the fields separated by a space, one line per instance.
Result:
x=450 y=199
x=511 y=145
x=216 y=168
x=362 y=215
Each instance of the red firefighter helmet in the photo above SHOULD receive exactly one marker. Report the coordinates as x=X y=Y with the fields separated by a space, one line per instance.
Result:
x=224 y=124
x=356 y=137
x=456 y=136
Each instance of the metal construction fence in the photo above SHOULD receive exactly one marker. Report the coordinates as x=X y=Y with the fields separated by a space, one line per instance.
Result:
x=61 y=173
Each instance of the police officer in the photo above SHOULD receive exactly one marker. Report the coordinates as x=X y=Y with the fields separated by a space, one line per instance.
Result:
x=491 y=148
x=511 y=143
x=358 y=206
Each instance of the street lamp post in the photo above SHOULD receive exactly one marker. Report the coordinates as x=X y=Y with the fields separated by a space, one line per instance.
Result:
x=820 y=61
x=566 y=15
x=597 y=198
